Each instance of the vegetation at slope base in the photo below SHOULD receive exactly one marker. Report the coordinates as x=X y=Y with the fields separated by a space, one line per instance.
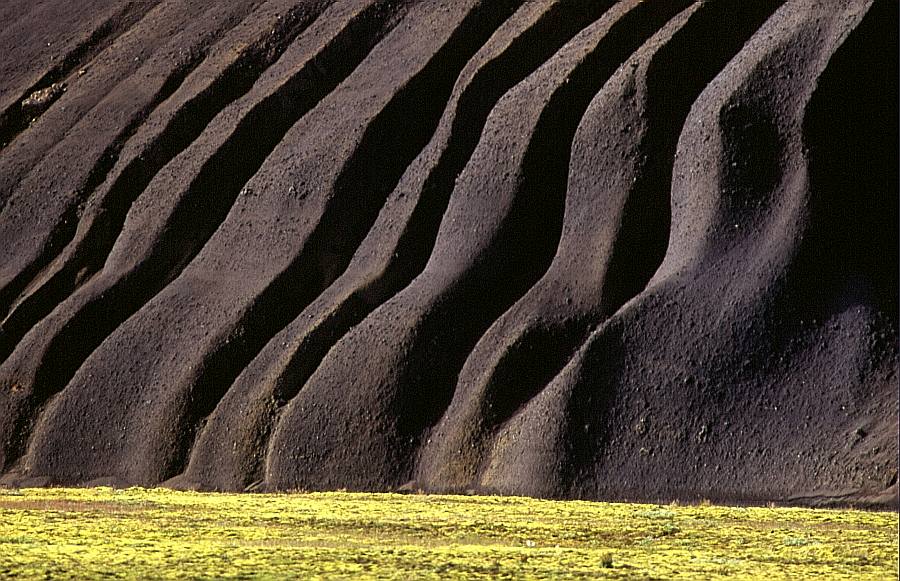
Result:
x=139 y=533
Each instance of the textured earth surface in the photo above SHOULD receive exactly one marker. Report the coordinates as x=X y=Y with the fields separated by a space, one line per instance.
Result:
x=644 y=249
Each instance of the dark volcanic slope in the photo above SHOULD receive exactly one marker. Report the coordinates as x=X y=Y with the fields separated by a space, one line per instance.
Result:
x=581 y=248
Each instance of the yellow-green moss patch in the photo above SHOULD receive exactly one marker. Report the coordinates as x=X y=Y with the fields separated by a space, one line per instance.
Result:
x=137 y=533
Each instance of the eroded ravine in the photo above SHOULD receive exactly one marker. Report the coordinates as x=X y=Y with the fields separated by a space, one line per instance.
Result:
x=298 y=240
x=95 y=117
x=17 y=113
x=181 y=208
x=161 y=138
x=499 y=232
x=614 y=234
x=667 y=379
x=612 y=249
x=394 y=250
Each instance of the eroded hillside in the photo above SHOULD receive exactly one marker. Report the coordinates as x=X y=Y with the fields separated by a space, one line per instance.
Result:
x=643 y=249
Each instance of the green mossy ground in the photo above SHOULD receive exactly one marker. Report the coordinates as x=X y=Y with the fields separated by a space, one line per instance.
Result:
x=137 y=533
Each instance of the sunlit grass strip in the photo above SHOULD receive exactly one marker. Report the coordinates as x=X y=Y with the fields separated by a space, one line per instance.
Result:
x=137 y=533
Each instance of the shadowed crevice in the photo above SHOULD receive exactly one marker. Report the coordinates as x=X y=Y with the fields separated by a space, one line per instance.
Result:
x=200 y=210
x=534 y=232
x=88 y=251
x=26 y=313
x=392 y=140
x=411 y=249
x=16 y=118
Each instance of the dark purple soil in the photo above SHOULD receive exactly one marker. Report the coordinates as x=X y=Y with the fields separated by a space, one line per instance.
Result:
x=635 y=250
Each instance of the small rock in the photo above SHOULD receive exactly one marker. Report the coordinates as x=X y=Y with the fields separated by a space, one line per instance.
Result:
x=39 y=101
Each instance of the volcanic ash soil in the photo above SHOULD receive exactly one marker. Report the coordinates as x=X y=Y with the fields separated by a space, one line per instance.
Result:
x=598 y=249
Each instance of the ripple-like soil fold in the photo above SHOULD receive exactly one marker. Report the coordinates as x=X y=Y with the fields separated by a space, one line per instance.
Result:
x=599 y=249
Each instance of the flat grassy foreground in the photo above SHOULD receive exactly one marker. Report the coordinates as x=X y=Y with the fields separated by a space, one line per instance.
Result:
x=136 y=533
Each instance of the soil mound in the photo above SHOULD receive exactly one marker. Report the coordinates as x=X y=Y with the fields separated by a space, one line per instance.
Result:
x=634 y=249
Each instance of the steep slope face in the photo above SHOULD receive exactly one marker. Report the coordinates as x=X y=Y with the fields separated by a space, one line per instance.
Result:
x=745 y=335
x=613 y=237
x=559 y=248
